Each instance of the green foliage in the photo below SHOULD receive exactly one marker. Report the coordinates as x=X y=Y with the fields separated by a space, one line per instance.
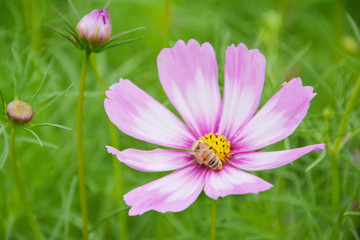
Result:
x=316 y=40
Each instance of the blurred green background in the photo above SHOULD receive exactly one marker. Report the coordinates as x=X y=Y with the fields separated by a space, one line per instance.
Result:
x=317 y=40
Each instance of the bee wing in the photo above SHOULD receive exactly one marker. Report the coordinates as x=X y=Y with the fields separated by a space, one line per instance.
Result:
x=198 y=156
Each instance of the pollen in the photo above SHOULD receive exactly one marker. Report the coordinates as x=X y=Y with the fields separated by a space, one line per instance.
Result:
x=218 y=145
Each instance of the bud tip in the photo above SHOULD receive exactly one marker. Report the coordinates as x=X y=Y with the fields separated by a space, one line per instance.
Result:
x=95 y=26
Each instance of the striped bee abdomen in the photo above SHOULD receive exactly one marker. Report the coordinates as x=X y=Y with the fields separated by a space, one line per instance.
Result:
x=211 y=160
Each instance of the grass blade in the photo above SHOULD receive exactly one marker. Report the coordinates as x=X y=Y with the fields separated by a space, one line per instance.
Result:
x=107 y=4
x=54 y=100
x=68 y=205
x=2 y=104
x=3 y=127
x=42 y=83
x=18 y=64
x=353 y=26
x=317 y=161
x=25 y=70
x=297 y=58
x=5 y=151
x=352 y=214
x=120 y=210
x=353 y=230
x=74 y=9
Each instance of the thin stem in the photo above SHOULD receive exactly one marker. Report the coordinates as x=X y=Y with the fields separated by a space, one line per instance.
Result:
x=335 y=181
x=335 y=153
x=17 y=61
x=2 y=104
x=41 y=84
x=80 y=149
x=16 y=95
x=345 y=119
x=20 y=187
x=98 y=76
x=74 y=9
x=115 y=143
x=213 y=220
x=53 y=100
x=166 y=21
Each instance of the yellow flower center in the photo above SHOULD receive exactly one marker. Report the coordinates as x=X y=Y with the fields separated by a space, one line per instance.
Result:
x=218 y=145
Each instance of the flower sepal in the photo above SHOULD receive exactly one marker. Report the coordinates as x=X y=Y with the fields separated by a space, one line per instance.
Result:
x=113 y=41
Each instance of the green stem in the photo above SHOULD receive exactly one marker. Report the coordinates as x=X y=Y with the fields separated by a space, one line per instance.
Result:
x=335 y=181
x=80 y=149
x=115 y=143
x=345 y=119
x=3 y=111
x=32 y=220
x=213 y=220
x=335 y=153
x=166 y=21
x=98 y=76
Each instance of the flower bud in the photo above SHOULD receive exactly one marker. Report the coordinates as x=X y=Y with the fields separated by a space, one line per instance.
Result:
x=349 y=44
x=19 y=111
x=95 y=26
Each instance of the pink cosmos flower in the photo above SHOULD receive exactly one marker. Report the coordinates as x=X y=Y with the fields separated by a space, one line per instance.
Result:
x=95 y=26
x=229 y=127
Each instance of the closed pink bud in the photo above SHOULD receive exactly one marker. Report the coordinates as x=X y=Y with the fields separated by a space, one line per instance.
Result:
x=19 y=111
x=95 y=26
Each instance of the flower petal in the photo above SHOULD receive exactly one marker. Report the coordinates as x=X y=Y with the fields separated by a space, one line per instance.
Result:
x=254 y=161
x=188 y=74
x=172 y=193
x=244 y=80
x=139 y=115
x=153 y=161
x=230 y=180
x=277 y=119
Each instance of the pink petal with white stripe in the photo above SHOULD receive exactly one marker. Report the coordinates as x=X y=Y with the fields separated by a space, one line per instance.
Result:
x=153 y=161
x=255 y=161
x=244 y=80
x=277 y=119
x=172 y=193
x=189 y=76
x=139 y=115
x=231 y=180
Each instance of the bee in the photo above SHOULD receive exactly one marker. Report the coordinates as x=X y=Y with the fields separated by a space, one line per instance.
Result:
x=204 y=155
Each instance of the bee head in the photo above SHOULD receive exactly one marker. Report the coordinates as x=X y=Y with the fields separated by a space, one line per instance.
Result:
x=198 y=145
